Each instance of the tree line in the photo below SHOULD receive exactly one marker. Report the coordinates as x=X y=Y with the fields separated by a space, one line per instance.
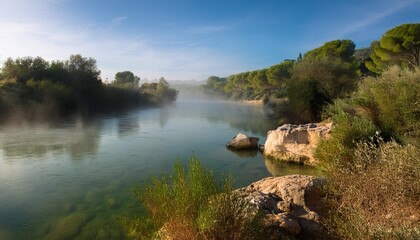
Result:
x=323 y=74
x=34 y=88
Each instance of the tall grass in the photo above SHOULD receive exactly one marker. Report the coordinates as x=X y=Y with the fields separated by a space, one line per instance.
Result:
x=191 y=204
x=380 y=198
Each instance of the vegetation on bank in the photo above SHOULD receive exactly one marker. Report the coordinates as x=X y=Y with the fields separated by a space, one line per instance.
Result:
x=372 y=161
x=35 y=89
x=191 y=204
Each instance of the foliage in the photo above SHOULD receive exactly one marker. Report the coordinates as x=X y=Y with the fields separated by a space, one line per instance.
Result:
x=159 y=93
x=362 y=56
x=278 y=75
x=189 y=204
x=373 y=157
x=391 y=102
x=400 y=46
x=337 y=153
x=316 y=83
x=34 y=88
x=340 y=49
x=377 y=196
x=126 y=79
x=258 y=84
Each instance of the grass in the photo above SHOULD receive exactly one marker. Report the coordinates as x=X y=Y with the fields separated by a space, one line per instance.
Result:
x=191 y=204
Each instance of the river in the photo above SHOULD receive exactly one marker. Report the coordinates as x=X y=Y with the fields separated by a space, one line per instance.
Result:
x=73 y=180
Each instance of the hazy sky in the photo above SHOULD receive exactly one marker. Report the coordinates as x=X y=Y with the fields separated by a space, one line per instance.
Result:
x=190 y=39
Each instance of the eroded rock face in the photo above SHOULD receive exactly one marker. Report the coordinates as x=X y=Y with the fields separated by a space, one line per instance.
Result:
x=296 y=142
x=242 y=141
x=291 y=203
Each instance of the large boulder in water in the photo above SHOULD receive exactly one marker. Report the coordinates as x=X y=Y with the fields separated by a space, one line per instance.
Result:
x=242 y=141
x=296 y=143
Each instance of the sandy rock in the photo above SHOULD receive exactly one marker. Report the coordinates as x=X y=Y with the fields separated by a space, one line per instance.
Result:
x=289 y=202
x=296 y=142
x=242 y=141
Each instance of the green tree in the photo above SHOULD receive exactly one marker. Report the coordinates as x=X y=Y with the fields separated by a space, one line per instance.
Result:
x=259 y=80
x=341 y=49
x=400 y=46
x=82 y=68
x=217 y=83
x=23 y=69
x=299 y=58
x=126 y=79
x=279 y=74
x=316 y=83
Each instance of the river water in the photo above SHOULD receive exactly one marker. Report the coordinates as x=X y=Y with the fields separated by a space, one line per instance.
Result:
x=73 y=180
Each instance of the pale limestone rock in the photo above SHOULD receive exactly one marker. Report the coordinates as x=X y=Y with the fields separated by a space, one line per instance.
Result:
x=242 y=141
x=290 y=203
x=296 y=143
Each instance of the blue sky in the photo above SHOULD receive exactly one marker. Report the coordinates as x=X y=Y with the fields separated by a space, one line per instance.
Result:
x=191 y=39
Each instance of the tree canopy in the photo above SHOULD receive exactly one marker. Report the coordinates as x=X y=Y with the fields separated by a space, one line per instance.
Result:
x=398 y=46
x=341 y=49
x=126 y=79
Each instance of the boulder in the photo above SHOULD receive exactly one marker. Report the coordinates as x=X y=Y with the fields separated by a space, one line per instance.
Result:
x=296 y=143
x=292 y=204
x=242 y=141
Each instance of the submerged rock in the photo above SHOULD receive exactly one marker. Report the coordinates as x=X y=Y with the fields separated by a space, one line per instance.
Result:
x=291 y=203
x=242 y=141
x=296 y=142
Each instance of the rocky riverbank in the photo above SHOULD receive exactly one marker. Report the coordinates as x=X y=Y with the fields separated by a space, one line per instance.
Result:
x=291 y=205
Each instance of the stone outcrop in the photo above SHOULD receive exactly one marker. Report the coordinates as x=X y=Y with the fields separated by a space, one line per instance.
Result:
x=296 y=143
x=292 y=204
x=242 y=141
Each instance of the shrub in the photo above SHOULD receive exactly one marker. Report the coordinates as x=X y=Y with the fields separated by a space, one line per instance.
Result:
x=189 y=204
x=373 y=168
x=392 y=102
x=379 y=199
x=337 y=153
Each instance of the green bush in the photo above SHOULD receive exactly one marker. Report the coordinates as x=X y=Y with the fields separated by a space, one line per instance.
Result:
x=392 y=102
x=337 y=153
x=190 y=204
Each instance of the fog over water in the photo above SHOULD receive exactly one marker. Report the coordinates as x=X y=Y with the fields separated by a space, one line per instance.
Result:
x=72 y=179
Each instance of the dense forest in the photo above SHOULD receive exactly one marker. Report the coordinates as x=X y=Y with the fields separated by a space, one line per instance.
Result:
x=35 y=89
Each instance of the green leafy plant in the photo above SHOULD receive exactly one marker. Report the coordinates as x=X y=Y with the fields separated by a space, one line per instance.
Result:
x=190 y=204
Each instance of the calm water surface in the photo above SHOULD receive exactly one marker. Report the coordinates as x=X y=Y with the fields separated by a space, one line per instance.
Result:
x=72 y=180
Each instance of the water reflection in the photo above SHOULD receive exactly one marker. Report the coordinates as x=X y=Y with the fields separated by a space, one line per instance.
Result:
x=246 y=153
x=128 y=125
x=164 y=114
x=279 y=168
x=35 y=143
x=244 y=117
